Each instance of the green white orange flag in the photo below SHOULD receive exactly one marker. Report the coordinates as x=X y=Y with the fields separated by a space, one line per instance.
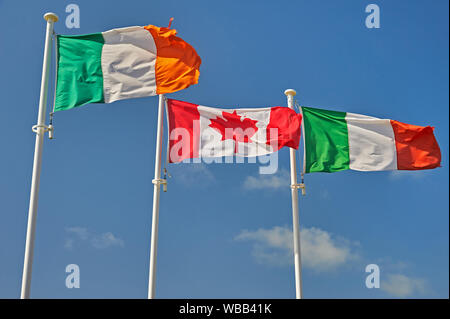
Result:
x=336 y=141
x=122 y=63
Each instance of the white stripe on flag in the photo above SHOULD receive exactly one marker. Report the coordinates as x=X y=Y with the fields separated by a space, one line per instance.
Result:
x=128 y=64
x=211 y=144
x=371 y=143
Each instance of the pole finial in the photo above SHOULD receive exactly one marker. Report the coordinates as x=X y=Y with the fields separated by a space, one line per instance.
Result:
x=290 y=92
x=50 y=16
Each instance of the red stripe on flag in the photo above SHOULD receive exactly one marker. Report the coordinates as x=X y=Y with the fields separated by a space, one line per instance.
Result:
x=183 y=117
x=416 y=146
x=287 y=121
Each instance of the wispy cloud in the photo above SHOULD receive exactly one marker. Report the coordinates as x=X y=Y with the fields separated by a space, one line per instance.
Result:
x=99 y=241
x=80 y=232
x=396 y=283
x=390 y=265
x=272 y=246
x=193 y=172
x=323 y=251
x=68 y=244
x=403 y=286
x=396 y=175
x=279 y=180
x=324 y=194
x=320 y=250
x=106 y=240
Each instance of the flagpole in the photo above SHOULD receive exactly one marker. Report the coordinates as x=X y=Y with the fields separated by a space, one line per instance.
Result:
x=290 y=93
x=157 y=181
x=40 y=130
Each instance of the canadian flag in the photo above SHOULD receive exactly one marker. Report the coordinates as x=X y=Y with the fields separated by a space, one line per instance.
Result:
x=197 y=131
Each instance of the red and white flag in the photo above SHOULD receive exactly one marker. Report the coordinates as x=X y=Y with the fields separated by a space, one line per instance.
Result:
x=199 y=131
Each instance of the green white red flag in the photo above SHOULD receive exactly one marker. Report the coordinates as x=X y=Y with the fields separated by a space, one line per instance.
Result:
x=336 y=141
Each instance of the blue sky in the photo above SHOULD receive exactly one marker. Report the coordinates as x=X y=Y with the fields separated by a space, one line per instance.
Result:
x=225 y=231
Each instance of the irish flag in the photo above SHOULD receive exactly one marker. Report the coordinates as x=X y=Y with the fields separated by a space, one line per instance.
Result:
x=121 y=64
x=197 y=131
x=336 y=141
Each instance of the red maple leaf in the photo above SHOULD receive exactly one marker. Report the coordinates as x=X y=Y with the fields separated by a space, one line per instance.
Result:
x=231 y=127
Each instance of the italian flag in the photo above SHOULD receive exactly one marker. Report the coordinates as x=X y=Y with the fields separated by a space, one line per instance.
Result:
x=336 y=141
x=197 y=131
x=122 y=63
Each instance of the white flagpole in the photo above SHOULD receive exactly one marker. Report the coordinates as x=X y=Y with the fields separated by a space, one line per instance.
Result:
x=40 y=130
x=295 y=220
x=156 y=190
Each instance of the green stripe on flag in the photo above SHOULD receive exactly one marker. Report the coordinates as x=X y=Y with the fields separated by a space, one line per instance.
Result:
x=80 y=77
x=326 y=140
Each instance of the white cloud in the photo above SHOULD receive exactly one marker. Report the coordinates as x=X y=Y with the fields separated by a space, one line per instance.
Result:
x=106 y=240
x=273 y=246
x=281 y=179
x=80 y=232
x=320 y=250
x=189 y=173
x=324 y=194
x=390 y=265
x=403 y=286
x=99 y=241
x=396 y=175
x=69 y=243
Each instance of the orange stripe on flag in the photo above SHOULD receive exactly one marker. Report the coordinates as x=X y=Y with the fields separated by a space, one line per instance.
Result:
x=177 y=63
x=416 y=146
